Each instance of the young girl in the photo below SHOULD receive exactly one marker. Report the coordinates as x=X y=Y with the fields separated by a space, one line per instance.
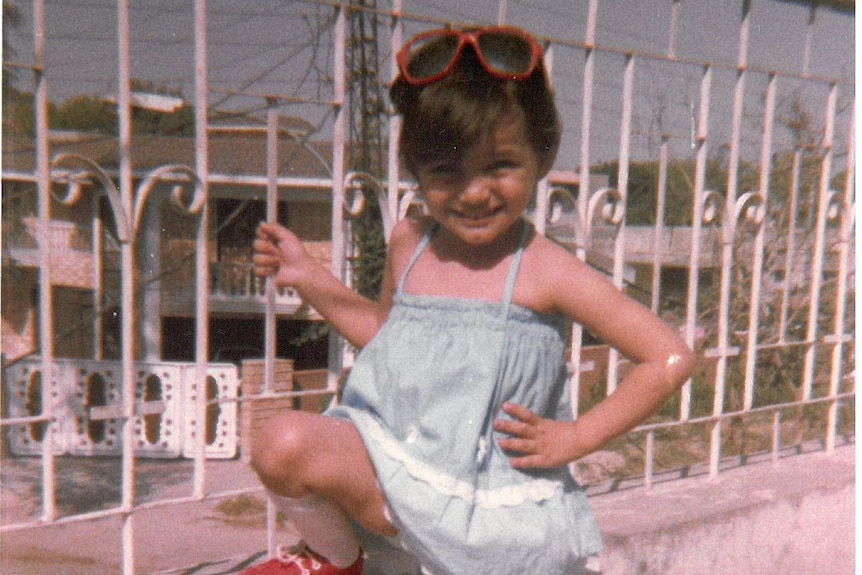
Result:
x=454 y=431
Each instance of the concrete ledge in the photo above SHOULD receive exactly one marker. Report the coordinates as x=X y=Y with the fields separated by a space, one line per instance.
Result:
x=796 y=516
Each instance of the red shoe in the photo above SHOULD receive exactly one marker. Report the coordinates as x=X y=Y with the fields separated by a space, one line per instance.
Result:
x=301 y=560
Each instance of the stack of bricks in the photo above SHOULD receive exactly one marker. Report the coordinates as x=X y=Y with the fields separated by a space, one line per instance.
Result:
x=311 y=381
x=256 y=408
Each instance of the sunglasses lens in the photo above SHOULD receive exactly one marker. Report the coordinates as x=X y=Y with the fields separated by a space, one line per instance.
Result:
x=505 y=52
x=429 y=57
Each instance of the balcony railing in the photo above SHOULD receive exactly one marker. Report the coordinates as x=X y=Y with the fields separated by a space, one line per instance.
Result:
x=23 y=241
x=235 y=288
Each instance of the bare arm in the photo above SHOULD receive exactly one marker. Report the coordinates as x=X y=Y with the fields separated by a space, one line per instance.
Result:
x=278 y=253
x=664 y=363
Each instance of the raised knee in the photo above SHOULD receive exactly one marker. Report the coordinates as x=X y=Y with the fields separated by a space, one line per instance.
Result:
x=276 y=452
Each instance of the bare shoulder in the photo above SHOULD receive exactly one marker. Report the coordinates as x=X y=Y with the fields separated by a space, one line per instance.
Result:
x=557 y=281
x=548 y=262
x=408 y=232
x=405 y=237
x=546 y=250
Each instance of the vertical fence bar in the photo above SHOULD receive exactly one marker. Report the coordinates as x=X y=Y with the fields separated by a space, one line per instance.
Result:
x=124 y=113
x=46 y=298
x=809 y=39
x=658 y=231
x=696 y=227
x=819 y=245
x=271 y=216
x=502 y=12
x=270 y=289
x=202 y=274
x=674 y=26
x=541 y=216
x=649 y=460
x=622 y=189
x=790 y=255
x=843 y=255
x=337 y=262
x=738 y=109
x=776 y=436
x=583 y=188
x=586 y=122
x=722 y=341
x=729 y=218
x=759 y=246
x=394 y=174
x=98 y=286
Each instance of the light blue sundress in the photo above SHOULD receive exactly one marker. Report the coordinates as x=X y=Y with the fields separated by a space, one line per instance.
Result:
x=424 y=394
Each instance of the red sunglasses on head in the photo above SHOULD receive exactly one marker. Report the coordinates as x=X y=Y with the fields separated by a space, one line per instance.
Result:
x=505 y=52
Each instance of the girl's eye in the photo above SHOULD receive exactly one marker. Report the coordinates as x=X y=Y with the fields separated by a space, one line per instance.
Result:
x=503 y=165
x=448 y=171
x=442 y=169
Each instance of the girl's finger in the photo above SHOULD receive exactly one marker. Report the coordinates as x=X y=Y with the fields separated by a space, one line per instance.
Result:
x=264 y=232
x=271 y=233
x=263 y=272
x=514 y=428
x=524 y=446
x=528 y=462
x=264 y=260
x=521 y=413
x=263 y=245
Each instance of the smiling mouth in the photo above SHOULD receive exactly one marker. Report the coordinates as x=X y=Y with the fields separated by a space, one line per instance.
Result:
x=478 y=216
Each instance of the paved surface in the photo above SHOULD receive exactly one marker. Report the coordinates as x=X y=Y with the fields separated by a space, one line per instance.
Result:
x=222 y=537
x=168 y=537
x=200 y=538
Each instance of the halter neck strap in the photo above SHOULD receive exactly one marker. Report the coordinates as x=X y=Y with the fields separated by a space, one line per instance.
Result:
x=513 y=269
x=423 y=243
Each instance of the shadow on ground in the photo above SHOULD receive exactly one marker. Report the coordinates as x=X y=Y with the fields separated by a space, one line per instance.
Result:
x=93 y=483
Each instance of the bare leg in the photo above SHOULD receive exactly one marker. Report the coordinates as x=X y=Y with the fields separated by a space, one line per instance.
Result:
x=299 y=454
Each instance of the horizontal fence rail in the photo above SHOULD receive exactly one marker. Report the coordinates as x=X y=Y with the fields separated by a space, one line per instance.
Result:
x=718 y=192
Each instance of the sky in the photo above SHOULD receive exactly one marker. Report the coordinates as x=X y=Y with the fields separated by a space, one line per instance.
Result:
x=285 y=47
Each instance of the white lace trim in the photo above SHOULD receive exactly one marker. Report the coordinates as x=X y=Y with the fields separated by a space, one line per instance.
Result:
x=536 y=491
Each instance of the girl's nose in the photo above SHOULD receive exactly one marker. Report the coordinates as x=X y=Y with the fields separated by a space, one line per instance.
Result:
x=476 y=191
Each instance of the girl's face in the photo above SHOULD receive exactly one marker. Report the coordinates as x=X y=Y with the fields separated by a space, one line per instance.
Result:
x=480 y=195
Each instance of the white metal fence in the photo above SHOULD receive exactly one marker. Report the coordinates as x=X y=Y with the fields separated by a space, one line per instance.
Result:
x=753 y=262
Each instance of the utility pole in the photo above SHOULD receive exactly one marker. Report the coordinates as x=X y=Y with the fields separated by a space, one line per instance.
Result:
x=366 y=99
x=365 y=142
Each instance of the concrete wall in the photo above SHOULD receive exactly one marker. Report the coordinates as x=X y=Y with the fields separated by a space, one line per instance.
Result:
x=795 y=517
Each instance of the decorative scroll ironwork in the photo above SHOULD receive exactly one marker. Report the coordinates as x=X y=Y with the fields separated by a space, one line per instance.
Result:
x=609 y=203
x=178 y=174
x=75 y=181
x=358 y=184
x=76 y=171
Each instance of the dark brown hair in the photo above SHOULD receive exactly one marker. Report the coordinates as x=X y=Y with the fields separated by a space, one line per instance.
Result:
x=443 y=118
